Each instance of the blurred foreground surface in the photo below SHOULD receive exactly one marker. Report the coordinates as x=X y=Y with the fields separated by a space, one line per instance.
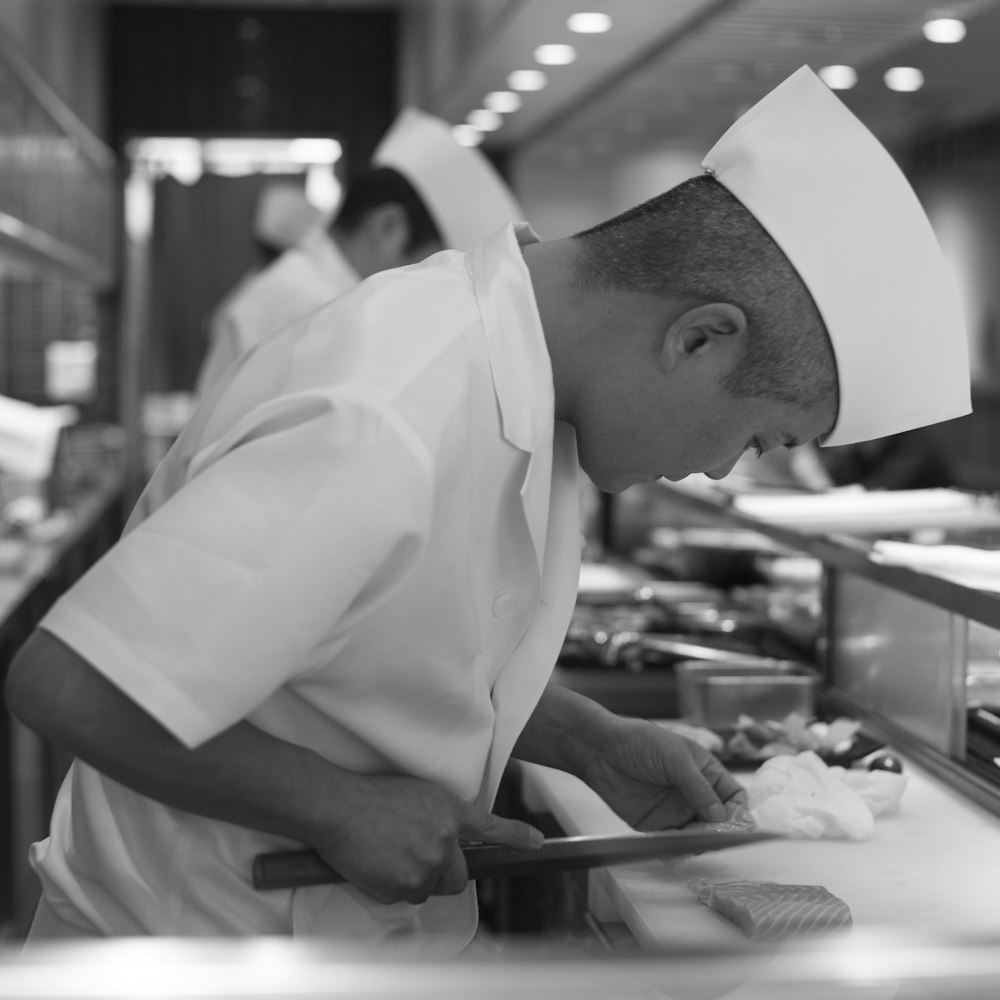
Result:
x=860 y=966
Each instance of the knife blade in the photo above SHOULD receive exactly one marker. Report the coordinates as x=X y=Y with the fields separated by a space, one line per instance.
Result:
x=295 y=869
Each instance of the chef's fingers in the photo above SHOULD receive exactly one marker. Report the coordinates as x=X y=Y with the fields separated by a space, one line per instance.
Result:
x=476 y=824
x=726 y=786
x=454 y=878
x=694 y=776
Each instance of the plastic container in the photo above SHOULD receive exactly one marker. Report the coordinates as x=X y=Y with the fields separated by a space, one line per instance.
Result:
x=716 y=694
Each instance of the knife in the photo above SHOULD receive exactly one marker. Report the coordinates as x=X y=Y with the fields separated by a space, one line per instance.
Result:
x=294 y=869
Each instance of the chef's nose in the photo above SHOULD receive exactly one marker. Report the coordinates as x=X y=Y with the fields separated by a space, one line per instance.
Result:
x=721 y=471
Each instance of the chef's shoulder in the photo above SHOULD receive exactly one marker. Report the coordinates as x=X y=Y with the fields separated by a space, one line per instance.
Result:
x=436 y=292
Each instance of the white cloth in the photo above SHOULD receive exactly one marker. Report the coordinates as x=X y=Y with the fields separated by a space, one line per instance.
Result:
x=375 y=555
x=300 y=280
x=800 y=796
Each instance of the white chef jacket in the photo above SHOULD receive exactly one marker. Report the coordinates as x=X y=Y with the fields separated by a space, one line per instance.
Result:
x=375 y=555
x=303 y=278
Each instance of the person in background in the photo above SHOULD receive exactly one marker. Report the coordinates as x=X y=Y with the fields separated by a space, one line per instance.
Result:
x=422 y=193
x=341 y=625
x=282 y=217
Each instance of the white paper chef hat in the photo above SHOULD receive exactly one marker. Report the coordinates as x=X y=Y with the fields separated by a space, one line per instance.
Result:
x=465 y=196
x=839 y=207
x=283 y=215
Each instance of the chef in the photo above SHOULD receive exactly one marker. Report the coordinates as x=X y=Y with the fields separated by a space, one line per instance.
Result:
x=340 y=626
x=423 y=192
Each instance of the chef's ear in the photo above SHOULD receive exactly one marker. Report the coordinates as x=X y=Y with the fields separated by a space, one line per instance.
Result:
x=388 y=228
x=714 y=328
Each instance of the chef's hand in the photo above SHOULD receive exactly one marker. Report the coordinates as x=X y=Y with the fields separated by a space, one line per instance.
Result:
x=656 y=779
x=401 y=838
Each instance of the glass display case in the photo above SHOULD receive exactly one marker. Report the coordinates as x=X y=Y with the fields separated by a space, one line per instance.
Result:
x=911 y=646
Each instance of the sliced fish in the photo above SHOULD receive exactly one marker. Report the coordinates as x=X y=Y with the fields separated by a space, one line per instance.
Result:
x=774 y=911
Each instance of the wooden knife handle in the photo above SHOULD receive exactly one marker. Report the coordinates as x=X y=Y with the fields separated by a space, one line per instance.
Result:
x=292 y=870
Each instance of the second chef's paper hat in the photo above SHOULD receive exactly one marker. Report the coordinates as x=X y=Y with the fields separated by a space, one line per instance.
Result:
x=834 y=200
x=283 y=215
x=465 y=196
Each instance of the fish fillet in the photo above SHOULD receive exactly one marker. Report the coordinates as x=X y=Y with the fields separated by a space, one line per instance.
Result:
x=773 y=911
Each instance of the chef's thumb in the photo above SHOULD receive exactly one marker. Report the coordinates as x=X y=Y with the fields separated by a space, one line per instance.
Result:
x=493 y=829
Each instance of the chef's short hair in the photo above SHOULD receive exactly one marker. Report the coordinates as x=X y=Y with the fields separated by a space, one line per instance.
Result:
x=697 y=241
x=379 y=186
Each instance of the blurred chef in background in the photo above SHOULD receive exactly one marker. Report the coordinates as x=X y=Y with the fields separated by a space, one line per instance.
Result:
x=423 y=192
x=342 y=623
x=282 y=217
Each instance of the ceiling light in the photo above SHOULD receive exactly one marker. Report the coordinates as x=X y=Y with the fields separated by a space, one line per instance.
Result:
x=527 y=79
x=589 y=23
x=944 y=30
x=466 y=135
x=839 y=77
x=504 y=101
x=314 y=150
x=484 y=120
x=904 y=78
x=555 y=55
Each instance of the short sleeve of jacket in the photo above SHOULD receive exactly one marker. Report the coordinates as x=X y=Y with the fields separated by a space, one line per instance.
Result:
x=307 y=521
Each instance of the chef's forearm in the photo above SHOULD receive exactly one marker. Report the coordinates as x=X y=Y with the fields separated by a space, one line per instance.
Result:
x=242 y=776
x=565 y=731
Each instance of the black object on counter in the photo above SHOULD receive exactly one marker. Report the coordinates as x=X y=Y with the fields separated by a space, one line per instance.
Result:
x=886 y=762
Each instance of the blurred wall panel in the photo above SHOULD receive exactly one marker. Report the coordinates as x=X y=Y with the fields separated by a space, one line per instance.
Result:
x=233 y=70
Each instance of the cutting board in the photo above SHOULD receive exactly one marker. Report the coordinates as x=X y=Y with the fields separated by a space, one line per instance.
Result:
x=933 y=865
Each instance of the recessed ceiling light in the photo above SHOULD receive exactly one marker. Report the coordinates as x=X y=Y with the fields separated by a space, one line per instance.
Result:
x=839 y=77
x=527 y=79
x=589 y=23
x=504 y=101
x=555 y=55
x=484 y=120
x=904 y=78
x=466 y=135
x=944 y=30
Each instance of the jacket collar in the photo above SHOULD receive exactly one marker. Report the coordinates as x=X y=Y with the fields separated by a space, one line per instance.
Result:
x=519 y=358
x=328 y=258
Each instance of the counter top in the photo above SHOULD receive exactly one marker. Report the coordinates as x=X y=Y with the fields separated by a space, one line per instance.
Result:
x=931 y=866
x=37 y=557
x=852 y=552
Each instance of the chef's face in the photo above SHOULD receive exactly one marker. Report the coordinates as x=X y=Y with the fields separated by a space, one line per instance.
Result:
x=696 y=429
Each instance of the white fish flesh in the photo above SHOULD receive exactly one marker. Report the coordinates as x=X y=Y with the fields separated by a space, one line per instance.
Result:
x=773 y=911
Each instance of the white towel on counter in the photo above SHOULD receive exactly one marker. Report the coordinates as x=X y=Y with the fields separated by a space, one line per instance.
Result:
x=799 y=795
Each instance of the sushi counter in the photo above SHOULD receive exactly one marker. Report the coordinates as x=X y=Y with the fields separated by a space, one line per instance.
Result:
x=38 y=561
x=910 y=657
x=929 y=867
x=906 y=655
